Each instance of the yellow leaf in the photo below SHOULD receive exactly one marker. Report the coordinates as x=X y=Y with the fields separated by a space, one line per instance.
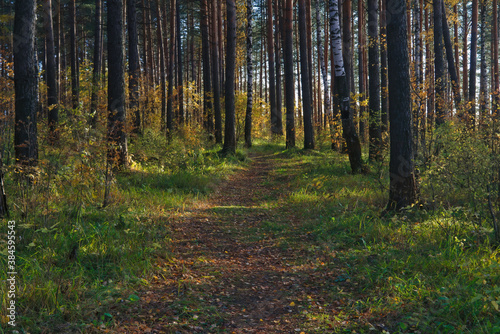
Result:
x=292 y=304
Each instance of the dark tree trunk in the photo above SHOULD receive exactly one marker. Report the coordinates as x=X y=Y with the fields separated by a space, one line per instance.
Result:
x=305 y=79
x=451 y=60
x=465 y=77
x=133 y=63
x=383 y=69
x=439 y=63
x=207 y=87
x=496 y=75
x=361 y=70
x=171 y=78
x=375 y=149
x=473 y=65
x=117 y=139
x=342 y=86
x=26 y=84
x=96 y=73
x=456 y=44
x=272 y=78
x=483 y=85
x=289 y=82
x=277 y=51
x=75 y=75
x=215 y=76
x=51 y=79
x=180 y=88
x=166 y=122
x=403 y=188
x=248 y=116
x=229 y=131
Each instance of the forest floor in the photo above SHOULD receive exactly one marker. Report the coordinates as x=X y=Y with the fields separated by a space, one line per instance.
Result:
x=232 y=271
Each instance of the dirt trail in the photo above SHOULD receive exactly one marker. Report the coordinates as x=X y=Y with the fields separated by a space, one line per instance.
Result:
x=224 y=278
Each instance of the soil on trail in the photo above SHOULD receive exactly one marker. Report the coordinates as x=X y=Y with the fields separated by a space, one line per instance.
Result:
x=225 y=276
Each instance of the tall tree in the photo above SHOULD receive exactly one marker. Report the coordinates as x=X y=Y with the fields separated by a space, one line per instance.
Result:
x=494 y=58
x=305 y=79
x=361 y=70
x=342 y=87
x=97 y=62
x=383 y=68
x=166 y=118
x=26 y=83
x=473 y=66
x=403 y=188
x=171 y=78
x=438 y=62
x=375 y=131
x=117 y=138
x=51 y=78
x=289 y=82
x=483 y=88
x=229 y=131
x=216 y=75
x=451 y=60
x=277 y=52
x=133 y=62
x=271 y=62
x=207 y=86
x=324 y=72
x=180 y=87
x=75 y=73
x=465 y=53
x=248 y=115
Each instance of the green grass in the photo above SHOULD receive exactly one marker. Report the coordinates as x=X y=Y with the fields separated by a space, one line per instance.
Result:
x=432 y=271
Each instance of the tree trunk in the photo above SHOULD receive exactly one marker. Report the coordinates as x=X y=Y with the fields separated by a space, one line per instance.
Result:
x=439 y=63
x=361 y=70
x=342 y=86
x=403 y=188
x=305 y=79
x=160 y=32
x=51 y=79
x=75 y=75
x=451 y=60
x=375 y=131
x=473 y=65
x=248 y=116
x=97 y=62
x=496 y=76
x=465 y=77
x=324 y=72
x=229 y=131
x=207 y=87
x=133 y=62
x=277 y=51
x=26 y=83
x=383 y=69
x=215 y=76
x=456 y=43
x=483 y=85
x=289 y=82
x=170 y=75
x=271 y=63
x=180 y=88
x=117 y=138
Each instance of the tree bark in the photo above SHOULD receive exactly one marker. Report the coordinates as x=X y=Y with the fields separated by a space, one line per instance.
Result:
x=289 y=82
x=248 y=115
x=229 y=131
x=117 y=138
x=465 y=77
x=51 y=79
x=383 y=69
x=361 y=70
x=180 y=87
x=451 y=60
x=439 y=63
x=277 y=51
x=97 y=62
x=403 y=189
x=342 y=86
x=473 y=65
x=133 y=62
x=483 y=85
x=75 y=75
x=207 y=86
x=375 y=131
x=305 y=79
x=496 y=76
x=166 y=122
x=215 y=76
x=271 y=63
x=26 y=83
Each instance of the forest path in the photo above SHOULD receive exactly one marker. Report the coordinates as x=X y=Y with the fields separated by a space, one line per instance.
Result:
x=232 y=270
